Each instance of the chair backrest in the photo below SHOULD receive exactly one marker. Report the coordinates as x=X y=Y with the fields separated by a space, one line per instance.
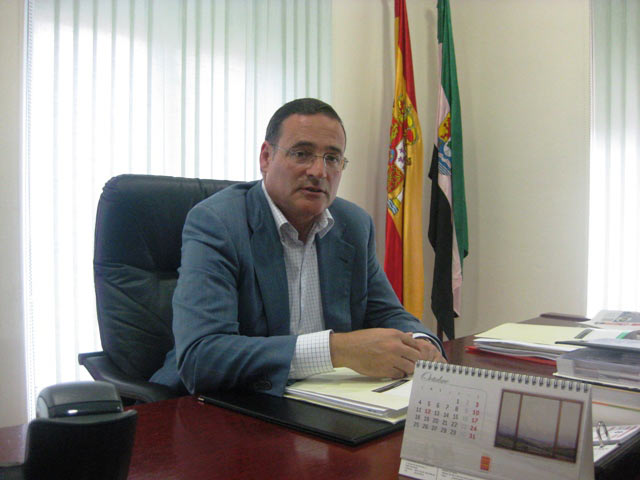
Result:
x=95 y=447
x=138 y=238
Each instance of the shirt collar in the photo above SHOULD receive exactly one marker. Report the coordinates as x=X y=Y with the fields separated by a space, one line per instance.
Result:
x=321 y=226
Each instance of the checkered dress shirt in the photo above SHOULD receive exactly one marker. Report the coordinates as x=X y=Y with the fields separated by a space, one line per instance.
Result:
x=312 y=354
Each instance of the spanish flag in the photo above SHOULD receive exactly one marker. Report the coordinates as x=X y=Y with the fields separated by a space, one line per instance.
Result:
x=448 y=215
x=403 y=255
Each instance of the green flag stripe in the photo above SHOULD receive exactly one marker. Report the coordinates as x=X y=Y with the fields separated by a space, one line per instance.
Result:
x=449 y=80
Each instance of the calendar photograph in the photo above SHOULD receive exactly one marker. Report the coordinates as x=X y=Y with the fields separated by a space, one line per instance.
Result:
x=539 y=425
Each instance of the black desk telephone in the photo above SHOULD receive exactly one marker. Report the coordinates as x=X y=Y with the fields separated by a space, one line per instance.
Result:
x=76 y=399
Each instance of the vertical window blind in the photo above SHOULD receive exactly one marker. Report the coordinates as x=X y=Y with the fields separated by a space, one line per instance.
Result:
x=614 y=209
x=164 y=87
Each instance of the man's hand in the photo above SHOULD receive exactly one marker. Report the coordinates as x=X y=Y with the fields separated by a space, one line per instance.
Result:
x=430 y=351
x=381 y=352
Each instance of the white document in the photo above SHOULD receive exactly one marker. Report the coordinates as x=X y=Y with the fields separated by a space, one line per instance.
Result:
x=616 y=319
x=347 y=390
x=522 y=339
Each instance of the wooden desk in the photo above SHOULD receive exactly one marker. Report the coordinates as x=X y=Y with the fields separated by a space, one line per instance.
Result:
x=183 y=439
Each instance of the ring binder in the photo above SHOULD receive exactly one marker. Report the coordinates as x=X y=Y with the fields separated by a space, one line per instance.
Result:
x=601 y=425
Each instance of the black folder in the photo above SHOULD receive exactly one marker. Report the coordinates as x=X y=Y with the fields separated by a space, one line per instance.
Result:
x=324 y=422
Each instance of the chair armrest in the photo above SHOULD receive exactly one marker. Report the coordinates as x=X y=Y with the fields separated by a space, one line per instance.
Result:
x=101 y=367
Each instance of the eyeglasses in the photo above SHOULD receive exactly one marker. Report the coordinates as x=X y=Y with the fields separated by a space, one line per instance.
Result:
x=333 y=162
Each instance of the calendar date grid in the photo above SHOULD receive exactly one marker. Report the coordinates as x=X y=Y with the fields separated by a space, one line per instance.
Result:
x=455 y=412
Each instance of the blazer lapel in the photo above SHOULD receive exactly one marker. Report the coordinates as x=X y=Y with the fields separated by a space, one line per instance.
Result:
x=335 y=267
x=268 y=261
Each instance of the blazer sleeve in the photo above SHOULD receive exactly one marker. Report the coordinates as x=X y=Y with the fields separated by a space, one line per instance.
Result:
x=220 y=344
x=383 y=307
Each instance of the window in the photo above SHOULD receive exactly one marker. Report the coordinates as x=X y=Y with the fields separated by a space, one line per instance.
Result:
x=614 y=212
x=163 y=87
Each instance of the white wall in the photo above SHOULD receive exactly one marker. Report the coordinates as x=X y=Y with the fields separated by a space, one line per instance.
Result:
x=13 y=396
x=523 y=70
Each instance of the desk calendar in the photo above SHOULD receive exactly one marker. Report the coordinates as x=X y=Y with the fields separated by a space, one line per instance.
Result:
x=465 y=423
x=458 y=417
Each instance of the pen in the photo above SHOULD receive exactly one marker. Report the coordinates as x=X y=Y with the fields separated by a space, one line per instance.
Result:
x=391 y=385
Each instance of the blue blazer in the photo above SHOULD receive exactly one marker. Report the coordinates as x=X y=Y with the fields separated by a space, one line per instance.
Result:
x=231 y=306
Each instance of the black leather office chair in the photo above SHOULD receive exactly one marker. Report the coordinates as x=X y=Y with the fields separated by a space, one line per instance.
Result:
x=82 y=434
x=138 y=239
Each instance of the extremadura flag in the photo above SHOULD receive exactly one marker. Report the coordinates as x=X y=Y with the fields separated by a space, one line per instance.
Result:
x=448 y=215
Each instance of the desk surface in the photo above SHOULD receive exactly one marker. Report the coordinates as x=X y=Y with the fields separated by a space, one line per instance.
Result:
x=184 y=439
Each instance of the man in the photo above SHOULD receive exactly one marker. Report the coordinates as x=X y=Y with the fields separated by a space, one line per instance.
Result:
x=279 y=278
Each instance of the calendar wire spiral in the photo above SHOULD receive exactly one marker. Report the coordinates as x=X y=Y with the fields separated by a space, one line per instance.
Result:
x=533 y=380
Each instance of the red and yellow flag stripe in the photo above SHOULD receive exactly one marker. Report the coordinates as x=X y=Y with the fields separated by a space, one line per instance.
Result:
x=403 y=262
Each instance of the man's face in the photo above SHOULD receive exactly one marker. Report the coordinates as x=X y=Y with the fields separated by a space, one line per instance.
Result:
x=302 y=192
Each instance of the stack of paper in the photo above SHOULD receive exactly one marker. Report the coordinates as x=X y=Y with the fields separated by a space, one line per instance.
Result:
x=613 y=365
x=346 y=390
x=524 y=339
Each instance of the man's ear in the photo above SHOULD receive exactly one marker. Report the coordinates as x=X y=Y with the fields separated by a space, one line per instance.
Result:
x=265 y=157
